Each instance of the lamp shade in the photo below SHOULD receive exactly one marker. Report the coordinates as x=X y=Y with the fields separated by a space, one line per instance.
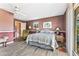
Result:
x=29 y=27
x=57 y=29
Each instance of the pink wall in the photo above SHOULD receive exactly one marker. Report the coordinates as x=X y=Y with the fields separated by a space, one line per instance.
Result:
x=58 y=21
x=6 y=23
x=9 y=34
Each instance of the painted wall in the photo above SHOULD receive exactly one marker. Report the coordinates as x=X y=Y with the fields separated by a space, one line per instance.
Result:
x=57 y=21
x=6 y=24
x=9 y=34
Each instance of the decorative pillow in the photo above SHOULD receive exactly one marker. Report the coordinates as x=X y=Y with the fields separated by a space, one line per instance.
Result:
x=47 y=31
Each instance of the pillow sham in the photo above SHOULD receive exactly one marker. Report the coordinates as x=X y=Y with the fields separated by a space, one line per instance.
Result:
x=47 y=31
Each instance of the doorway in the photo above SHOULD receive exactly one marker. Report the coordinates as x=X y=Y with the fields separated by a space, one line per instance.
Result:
x=17 y=26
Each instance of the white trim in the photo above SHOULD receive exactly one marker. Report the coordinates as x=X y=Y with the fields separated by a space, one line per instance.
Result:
x=7 y=43
x=6 y=31
x=69 y=29
x=7 y=10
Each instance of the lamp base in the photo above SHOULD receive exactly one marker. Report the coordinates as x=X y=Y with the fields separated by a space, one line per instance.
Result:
x=57 y=33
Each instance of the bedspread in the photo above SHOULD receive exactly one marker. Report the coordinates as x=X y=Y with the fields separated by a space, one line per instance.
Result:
x=43 y=38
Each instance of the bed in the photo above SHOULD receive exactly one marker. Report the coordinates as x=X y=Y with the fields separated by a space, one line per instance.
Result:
x=45 y=39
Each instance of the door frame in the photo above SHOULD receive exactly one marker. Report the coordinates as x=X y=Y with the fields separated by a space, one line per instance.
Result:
x=19 y=28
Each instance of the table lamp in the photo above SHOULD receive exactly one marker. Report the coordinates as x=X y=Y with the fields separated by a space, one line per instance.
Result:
x=57 y=30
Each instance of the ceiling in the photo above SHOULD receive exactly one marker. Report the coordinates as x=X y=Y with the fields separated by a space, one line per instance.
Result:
x=32 y=11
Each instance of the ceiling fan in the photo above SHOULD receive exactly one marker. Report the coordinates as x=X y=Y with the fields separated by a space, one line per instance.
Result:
x=17 y=10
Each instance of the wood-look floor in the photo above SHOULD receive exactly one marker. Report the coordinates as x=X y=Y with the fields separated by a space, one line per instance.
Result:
x=22 y=49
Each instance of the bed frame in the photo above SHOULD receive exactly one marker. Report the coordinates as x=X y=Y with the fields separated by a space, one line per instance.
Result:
x=48 y=47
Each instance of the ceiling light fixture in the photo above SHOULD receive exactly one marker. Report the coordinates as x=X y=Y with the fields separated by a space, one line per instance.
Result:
x=16 y=8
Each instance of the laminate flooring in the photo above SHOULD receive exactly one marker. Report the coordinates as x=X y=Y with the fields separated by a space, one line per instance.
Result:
x=22 y=49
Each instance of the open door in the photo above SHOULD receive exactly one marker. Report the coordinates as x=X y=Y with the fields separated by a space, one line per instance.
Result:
x=17 y=29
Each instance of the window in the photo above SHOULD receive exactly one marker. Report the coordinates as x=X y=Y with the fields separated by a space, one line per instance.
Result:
x=76 y=30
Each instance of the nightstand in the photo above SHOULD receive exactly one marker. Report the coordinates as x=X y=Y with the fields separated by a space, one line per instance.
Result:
x=60 y=38
x=32 y=31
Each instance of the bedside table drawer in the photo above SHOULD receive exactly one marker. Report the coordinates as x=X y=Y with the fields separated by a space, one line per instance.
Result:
x=60 y=38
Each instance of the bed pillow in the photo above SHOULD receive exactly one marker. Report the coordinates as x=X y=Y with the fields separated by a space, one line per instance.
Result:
x=47 y=31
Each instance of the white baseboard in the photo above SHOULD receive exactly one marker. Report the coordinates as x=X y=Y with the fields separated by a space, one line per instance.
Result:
x=7 y=43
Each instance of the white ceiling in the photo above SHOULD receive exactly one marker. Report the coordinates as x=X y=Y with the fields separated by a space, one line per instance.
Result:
x=31 y=11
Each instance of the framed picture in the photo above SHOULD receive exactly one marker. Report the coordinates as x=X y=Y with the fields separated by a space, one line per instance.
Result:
x=35 y=25
x=47 y=25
